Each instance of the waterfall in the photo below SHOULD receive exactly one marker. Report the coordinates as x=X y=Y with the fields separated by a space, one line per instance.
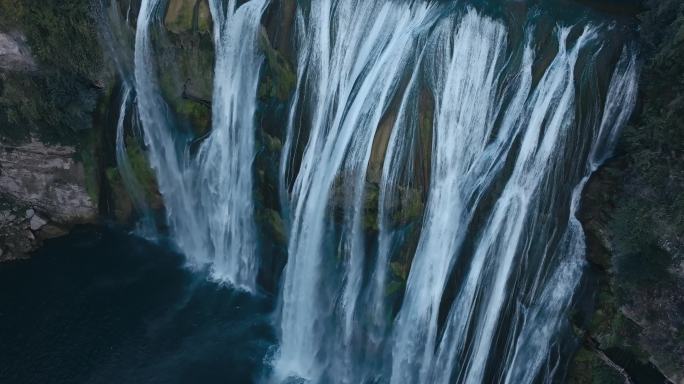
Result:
x=496 y=263
x=476 y=285
x=115 y=33
x=208 y=197
x=146 y=226
x=224 y=162
x=165 y=149
x=462 y=127
x=397 y=168
x=510 y=217
x=356 y=53
x=545 y=313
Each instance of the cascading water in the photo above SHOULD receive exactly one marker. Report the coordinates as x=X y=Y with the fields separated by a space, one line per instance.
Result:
x=497 y=248
x=208 y=197
x=166 y=149
x=473 y=288
x=115 y=33
x=224 y=161
x=542 y=319
x=465 y=112
x=356 y=55
x=146 y=226
x=496 y=265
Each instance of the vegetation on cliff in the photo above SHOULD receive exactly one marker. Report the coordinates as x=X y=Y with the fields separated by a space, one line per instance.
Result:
x=185 y=59
x=57 y=101
x=634 y=217
x=50 y=104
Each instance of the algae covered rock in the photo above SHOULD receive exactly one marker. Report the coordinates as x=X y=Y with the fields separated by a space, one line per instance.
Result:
x=188 y=15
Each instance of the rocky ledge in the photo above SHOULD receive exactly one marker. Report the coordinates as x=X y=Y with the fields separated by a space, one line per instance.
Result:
x=42 y=194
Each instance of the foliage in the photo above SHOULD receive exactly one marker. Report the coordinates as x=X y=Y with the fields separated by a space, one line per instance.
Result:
x=639 y=306
x=62 y=34
x=589 y=369
x=57 y=101
x=648 y=221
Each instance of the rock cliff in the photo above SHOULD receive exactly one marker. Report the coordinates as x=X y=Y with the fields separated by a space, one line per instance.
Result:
x=43 y=193
x=633 y=215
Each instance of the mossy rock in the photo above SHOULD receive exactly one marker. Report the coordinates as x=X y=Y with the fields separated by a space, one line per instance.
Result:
x=143 y=173
x=272 y=144
x=87 y=156
x=588 y=368
x=122 y=203
x=278 y=79
x=273 y=223
x=198 y=114
x=185 y=63
x=56 y=107
x=411 y=207
x=188 y=16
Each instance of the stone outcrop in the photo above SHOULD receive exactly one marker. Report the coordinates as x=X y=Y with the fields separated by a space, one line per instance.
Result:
x=48 y=178
x=42 y=193
x=55 y=88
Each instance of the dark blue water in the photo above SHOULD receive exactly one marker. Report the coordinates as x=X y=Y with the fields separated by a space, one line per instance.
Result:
x=100 y=306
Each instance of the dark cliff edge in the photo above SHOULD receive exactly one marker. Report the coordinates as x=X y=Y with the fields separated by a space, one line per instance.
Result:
x=633 y=216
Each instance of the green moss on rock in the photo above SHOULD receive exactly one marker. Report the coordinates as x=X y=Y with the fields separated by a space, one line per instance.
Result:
x=143 y=173
x=123 y=205
x=278 y=78
x=188 y=16
x=185 y=61
x=90 y=167
x=197 y=114
x=273 y=223
x=588 y=368
x=273 y=144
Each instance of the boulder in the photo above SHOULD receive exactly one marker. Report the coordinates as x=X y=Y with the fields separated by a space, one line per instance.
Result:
x=37 y=223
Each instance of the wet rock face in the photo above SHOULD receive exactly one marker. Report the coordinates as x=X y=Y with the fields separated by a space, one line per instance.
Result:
x=188 y=15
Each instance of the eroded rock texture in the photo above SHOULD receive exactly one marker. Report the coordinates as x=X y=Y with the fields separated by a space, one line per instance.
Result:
x=42 y=193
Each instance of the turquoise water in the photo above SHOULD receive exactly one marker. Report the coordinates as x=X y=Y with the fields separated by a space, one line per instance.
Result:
x=100 y=306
